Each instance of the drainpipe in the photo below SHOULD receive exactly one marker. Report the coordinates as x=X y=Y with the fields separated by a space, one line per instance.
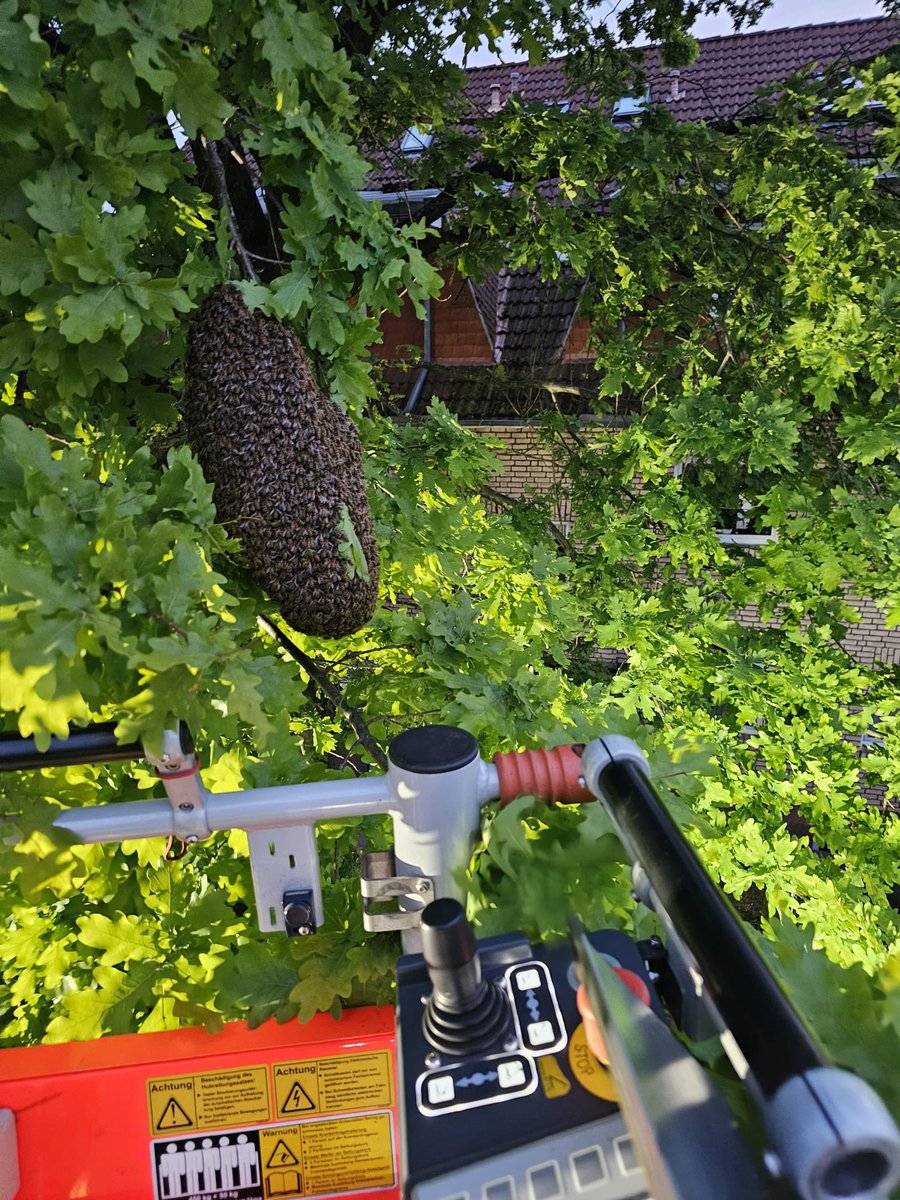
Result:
x=419 y=383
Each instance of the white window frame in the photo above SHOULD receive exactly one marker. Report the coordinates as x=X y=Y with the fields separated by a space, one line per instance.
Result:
x=626 y=108
x=734 y=536
x=415 y=141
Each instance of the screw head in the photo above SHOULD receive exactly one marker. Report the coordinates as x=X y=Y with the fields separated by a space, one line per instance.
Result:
x=186 y=807
x=432 y=1059
x=305 y=930
x=423 y=886
x=510 y=1044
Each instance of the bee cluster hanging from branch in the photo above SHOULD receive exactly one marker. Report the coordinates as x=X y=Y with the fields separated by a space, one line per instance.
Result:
x=286 y=466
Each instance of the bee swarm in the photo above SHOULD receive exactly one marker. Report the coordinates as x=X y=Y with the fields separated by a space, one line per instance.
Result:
x=286 y=465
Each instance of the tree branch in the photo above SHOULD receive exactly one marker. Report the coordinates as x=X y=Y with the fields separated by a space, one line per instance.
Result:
x=326 y=684
x=220 y=185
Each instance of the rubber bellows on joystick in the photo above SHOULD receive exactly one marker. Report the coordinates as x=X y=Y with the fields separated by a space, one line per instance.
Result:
x=464 y=1014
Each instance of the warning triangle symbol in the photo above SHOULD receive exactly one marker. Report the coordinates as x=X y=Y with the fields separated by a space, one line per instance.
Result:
x=173 y=1116
x=554 y=1081
x=297 y=1100
x=282 y=1156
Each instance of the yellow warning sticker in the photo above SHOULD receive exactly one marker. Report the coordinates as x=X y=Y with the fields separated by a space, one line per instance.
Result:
x=211 y=1100
x=589 y=1072
x=553 y=1078
x=323 y=1086
x=327 y=1156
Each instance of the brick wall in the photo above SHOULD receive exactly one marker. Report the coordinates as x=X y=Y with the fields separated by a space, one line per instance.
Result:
x=457 y=334
x=576 y=346
x=529 y=466
x=399 y=332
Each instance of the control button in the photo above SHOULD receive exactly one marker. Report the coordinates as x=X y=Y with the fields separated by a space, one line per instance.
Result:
x=545 y=1182
x=440 y=1089
x=628 y=1163
x=511 y=1074
x=529 y=978
x=588 y=1167
x=500 y=1189
x=540 y=1033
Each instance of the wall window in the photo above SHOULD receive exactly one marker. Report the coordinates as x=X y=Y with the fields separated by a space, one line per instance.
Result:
x=736 y=522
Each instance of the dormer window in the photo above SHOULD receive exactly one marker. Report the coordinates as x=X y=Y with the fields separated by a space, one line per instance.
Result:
x=626 y=108
x=415 y=141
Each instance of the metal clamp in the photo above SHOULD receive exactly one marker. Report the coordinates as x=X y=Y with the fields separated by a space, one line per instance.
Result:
x=179 y=771
x=378 y=884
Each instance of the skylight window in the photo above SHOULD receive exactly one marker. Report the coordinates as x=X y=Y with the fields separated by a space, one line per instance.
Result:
x=414 y=141
x=628 y=107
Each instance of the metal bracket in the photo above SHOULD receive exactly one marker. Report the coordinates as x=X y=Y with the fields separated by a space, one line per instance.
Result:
x=378 y=884
x=179 y=771
x=284 y=862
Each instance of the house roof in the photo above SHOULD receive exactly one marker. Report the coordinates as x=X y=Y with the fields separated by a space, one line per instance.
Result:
x=724 y=78
x=720 y=85
x=527 y=320
x=483 y=394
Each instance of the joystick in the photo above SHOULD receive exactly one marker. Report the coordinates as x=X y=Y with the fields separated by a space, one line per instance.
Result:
x=465 y=1014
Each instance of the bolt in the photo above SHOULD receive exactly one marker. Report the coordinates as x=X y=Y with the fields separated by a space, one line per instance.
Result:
x=423 y=886
x=298 y=917
x=432 y=1059
x=191 y=840
x=186 y=807
x=581 y=782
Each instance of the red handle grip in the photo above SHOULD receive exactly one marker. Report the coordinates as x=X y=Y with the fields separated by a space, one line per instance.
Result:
x=548 y=774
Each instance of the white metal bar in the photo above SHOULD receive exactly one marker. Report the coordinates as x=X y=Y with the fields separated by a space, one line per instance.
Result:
x=257 y=808
x=299 y=803
x=119 y=822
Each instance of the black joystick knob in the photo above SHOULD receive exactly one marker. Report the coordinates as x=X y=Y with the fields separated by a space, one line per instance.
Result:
x=464 y=1014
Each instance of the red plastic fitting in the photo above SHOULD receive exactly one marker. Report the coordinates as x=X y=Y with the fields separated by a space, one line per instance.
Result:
x=548 y=774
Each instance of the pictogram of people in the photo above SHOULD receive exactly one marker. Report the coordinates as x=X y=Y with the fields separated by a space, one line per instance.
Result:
x=229 y=1160
x=211 y=1162
x=248 y=1161
x=171 y=1168
x=210 y=1170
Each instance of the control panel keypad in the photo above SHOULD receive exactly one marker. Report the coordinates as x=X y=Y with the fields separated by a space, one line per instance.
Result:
x=476 y=1082
x=539 y=1023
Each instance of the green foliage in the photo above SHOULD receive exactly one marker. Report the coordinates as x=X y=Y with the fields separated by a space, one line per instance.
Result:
x=351 y=550
x=757 y=365
x=854 y=1016
x=755 y=269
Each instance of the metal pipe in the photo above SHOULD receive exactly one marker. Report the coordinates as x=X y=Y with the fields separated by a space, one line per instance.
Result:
x=769 y=1033
x=299 y=803
x=419 y=383
x=95 y=744
x=259 y=808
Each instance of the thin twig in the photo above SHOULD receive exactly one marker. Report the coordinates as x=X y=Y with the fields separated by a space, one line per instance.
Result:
x=327 y=685
x=158 y=616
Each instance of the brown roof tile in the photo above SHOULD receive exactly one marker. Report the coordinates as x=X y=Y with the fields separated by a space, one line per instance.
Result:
x=720 y=85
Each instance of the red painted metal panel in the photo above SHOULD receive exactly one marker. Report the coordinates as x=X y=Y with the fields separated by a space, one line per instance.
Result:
x=83 y=1115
